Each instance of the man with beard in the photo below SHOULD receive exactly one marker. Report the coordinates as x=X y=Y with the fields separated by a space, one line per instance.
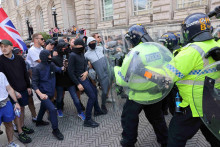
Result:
x=34 y=51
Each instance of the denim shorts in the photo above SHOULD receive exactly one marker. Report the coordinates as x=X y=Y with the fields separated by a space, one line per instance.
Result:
x=7 y=113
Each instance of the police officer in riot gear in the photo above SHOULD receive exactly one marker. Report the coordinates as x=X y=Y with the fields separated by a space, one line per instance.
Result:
x=196 y=35
x=137 y=35
x=170 y=40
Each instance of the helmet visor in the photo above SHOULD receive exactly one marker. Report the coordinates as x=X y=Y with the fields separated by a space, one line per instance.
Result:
x=128 y=42
x=162 y=41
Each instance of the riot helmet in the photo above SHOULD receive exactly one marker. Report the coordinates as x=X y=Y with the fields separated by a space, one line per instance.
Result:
x=169 y=40
x=195 y=28
x=137 y=34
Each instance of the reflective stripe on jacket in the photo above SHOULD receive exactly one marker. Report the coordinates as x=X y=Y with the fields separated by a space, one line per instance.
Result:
x=186 y=66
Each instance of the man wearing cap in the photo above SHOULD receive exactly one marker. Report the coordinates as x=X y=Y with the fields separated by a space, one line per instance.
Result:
x=34 y=52
x=14 y=68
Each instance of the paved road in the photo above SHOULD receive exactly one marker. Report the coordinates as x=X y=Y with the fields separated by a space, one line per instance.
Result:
x=106 y=135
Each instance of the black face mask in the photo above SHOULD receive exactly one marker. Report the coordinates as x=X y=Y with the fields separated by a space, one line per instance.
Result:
x=61 y=53
x=78 y=50
x=49 y=60
x=92 y=46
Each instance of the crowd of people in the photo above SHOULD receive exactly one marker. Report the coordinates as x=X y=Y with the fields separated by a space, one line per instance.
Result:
x=49 y=69
x=80 y=64
x=55 y=32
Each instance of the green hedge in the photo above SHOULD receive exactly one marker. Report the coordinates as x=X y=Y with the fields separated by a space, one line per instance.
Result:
x=45 y=35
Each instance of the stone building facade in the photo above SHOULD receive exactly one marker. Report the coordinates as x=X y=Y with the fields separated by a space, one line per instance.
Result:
x=159 y=16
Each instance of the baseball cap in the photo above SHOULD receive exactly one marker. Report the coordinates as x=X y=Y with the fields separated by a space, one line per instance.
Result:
x=16 y=50
x=6 y=42
x=50 y=41
x=79 y=41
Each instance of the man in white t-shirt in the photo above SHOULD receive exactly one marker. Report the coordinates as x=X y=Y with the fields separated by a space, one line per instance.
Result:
x=6 y=108
x=33 y=53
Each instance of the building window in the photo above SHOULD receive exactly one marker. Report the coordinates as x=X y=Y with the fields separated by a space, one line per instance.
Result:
x=41 y=20
x=190 y=3
x=107 y=10
x=17 y=2
x=142 y=6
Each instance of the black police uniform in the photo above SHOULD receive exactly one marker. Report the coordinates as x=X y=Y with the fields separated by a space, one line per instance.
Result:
x=131 y=109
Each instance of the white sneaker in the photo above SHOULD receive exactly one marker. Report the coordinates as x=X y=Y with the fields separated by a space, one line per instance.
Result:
x=34 y=119
x=12 y=144
x=110 y=100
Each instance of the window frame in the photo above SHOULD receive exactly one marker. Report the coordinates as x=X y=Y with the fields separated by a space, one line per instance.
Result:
x=103 y=17
x=17 y=2
x=190 y=1
x=147 y=9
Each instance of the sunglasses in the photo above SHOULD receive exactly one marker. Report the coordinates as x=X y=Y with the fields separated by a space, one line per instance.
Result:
x=99 y=36
x=41 y=38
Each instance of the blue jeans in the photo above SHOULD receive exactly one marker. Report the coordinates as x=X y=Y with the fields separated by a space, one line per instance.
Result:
x=48 y=105
x=91 y=92
x=72 y=91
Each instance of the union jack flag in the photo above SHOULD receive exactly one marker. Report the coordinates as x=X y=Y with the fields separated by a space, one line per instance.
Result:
x=9 y=32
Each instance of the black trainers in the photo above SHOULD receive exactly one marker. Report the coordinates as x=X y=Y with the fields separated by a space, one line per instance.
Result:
x=90 y=123
x=27 y=130
x=42 y=123
x=98 y=113
x=58 y=134
x=24 y=138
x=164 y=145
x=104 y=109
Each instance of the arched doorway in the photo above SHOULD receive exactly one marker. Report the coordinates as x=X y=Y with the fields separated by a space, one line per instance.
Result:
x=19 y=24
x=39 y=19
x=50 y=16
x=71 y=12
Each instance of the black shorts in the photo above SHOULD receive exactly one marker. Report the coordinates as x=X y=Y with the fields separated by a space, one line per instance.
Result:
x=23 y=101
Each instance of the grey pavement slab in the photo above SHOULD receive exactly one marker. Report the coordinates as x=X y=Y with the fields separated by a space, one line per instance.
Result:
x=108 y=134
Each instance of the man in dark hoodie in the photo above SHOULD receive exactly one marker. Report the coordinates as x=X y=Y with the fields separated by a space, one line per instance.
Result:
x=43 y=82
x=63 y=81
x=100 y=64
x=78 y=72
